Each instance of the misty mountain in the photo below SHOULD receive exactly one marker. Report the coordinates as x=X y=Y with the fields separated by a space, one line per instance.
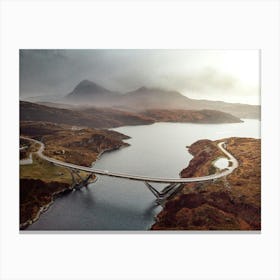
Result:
x=152 y=98
x=90 y=94
x=87 y=91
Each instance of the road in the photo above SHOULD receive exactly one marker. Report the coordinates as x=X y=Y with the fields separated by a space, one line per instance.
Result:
x=134 y=177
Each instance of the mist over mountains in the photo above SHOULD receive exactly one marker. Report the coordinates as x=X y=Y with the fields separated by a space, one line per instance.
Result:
x=108 y=117
x=225 y=75
x=88 y=93
x=92 y=105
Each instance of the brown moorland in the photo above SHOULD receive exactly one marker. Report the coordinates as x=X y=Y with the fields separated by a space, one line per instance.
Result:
x=108 y=117
x=41 y=182
x=79 y=145
x=233 y=203
x=194 y=116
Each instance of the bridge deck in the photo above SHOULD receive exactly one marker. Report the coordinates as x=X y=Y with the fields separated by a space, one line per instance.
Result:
x=140 y=177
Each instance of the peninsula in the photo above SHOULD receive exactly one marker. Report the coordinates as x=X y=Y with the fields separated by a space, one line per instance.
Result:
x=230 y=203
x=41 y=182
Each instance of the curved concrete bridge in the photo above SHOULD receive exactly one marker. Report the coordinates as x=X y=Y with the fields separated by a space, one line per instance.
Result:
x=160 y=195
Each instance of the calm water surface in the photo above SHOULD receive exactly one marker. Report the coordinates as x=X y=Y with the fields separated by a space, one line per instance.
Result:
x=221 y=163
x=157 y=150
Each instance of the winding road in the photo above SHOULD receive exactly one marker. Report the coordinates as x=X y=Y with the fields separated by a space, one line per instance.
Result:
x=134 y=177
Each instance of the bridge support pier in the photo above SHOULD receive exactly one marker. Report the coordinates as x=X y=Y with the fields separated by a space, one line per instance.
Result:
x=167 y=192
x=77 y=180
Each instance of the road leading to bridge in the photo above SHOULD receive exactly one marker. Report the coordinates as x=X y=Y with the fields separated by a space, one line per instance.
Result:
x=134 y=177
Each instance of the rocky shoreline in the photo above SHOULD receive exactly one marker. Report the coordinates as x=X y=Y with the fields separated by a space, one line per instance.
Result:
x=44 y=208
x=108 y=150
x=226 y=204
x=34 y=215
x=233 y=203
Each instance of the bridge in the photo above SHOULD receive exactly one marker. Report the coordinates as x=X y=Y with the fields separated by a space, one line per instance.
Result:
x=174 y=184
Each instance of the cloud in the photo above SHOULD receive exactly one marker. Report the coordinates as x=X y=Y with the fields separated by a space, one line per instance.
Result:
x=201 y=73
x=208 y=78
x=210 y=83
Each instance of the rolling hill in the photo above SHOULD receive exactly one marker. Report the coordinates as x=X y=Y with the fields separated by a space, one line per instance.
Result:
x=94 y=118
x=108 y=117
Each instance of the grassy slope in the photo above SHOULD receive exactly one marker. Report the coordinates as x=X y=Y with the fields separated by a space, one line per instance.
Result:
x=43 y=170
x=41 y=180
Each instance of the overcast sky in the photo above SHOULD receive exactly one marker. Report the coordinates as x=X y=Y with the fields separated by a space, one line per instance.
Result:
x=227 y=75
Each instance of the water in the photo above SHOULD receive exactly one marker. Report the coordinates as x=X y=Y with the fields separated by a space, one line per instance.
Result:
x=158 y=150
x=221 y=163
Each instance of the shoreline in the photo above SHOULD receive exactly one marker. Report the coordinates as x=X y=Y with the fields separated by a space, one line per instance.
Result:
x=56 y=194
x=44 y=208
x=196 y=167
x=230 y=203
x=108 y=151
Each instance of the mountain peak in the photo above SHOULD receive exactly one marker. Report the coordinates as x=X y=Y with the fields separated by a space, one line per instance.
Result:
x=142 y=88
x=86 y=82
x=90 y=87
x=87 y=88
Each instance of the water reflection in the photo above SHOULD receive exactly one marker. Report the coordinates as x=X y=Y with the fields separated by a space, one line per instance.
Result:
x=157 y=150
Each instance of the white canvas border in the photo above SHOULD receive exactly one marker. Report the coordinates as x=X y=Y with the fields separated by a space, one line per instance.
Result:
x=156 y=24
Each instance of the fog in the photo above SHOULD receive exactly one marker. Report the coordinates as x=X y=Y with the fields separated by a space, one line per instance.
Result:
x=227 y=75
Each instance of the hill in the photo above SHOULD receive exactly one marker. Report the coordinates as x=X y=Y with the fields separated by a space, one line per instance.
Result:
x=108 y=117
x=199 y=116
x=94 y=117
x=41 y=182
x=231 y=203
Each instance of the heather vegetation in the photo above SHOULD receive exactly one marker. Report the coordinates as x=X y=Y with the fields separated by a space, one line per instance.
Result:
x=231 y=203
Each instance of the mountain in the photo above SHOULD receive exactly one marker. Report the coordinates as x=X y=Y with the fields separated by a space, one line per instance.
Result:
x=88 y=93
x=151 y=98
